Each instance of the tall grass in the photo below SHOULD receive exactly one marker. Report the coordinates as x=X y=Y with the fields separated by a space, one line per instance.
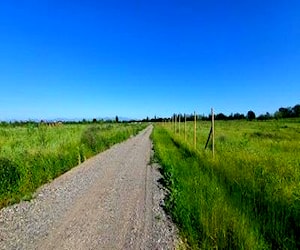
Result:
x=33 y=155
x=248 y=196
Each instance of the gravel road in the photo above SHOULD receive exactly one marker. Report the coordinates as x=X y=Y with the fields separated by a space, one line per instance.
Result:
x=111 y=201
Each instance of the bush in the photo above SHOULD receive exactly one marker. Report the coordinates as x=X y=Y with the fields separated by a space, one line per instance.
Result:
x=90 y=138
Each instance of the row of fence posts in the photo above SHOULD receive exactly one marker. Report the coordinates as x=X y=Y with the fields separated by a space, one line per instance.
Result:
x=177 y=119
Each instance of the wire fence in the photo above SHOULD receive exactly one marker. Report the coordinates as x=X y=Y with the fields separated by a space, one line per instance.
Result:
x=178 y=121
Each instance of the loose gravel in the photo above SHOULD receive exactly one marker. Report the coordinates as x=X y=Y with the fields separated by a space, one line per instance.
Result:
x=111 y=201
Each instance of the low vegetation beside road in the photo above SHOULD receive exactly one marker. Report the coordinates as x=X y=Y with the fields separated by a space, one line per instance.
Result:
x=33 y=154
x=247 y=196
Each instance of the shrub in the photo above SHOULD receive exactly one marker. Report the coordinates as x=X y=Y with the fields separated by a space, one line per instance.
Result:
x=90 y=138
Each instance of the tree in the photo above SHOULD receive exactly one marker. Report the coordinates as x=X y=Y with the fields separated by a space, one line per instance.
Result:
x=251 y=115
x=264 y=117
x=221 y=116
x=117 y=119
x=238 y=116
x=296 y=110
x=286 y=112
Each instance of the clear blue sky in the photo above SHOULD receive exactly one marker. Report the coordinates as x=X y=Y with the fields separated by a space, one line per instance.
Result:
x=85 y=59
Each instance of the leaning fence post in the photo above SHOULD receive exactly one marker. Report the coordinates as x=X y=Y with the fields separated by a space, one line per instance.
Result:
x=213 y=131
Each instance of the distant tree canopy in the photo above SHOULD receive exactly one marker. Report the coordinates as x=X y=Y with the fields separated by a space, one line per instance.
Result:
x=238 y=116
x=251 y=115
x=288 y=112
x=283 y=112
x=264 y=117
x=221 y=116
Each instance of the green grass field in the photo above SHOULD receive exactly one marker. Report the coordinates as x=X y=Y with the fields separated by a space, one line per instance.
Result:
x=34 y=154
x=247 y=197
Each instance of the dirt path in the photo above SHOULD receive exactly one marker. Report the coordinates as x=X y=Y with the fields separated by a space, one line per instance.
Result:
x=108 y=202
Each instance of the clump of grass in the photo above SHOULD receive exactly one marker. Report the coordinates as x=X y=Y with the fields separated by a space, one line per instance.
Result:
x=9 y=175
x=90 y=138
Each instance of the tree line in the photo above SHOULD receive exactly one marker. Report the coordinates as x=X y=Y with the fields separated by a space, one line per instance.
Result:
x=283 y=112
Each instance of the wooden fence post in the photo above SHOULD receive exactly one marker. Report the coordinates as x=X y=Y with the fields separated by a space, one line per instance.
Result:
x=179 y=120
x=184 y=127
x=174 y=123
x=195 y=127
x=213 y=131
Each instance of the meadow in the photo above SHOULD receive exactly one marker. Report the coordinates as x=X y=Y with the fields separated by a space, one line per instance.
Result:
x=34 y=154
x=247 y=196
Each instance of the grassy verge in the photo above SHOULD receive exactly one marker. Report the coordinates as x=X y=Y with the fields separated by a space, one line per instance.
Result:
x=246 y=198
x=33 y=155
